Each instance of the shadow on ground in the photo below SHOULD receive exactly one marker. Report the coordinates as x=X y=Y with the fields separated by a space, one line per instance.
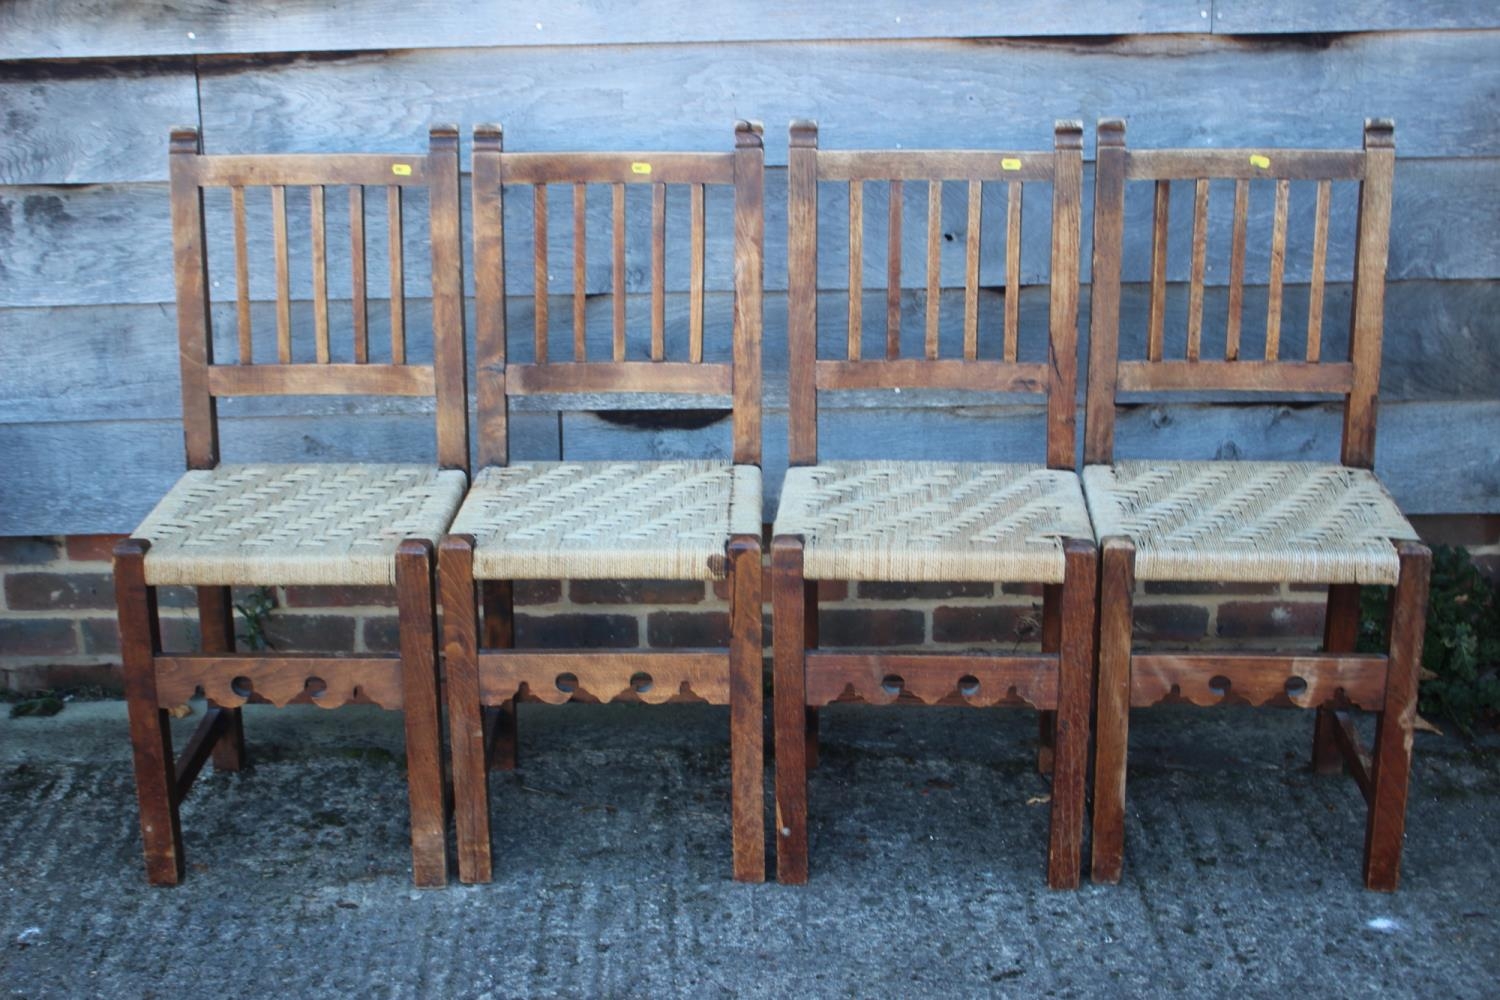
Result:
x=928 y=842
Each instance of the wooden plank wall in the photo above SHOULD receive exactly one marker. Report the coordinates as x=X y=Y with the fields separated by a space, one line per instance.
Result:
x=89 y=424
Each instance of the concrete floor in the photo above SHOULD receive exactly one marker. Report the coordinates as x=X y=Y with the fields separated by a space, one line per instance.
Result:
x=928 y=837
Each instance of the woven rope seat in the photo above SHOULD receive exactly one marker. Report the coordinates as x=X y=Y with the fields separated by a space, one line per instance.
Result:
x=1263 y=522
x=609 y=520
x=937 y=521
x=262 y=525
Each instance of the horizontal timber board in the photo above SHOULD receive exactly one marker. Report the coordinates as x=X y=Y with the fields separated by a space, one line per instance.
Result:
x=1278 y=17
x=44 y=29
x=69 y=478
x=943 y=93
x=120 y=362
x=112 y=243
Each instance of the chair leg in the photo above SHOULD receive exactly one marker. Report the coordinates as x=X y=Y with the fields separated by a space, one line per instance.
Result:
x=419 y=687
x=1340 y=634
x=1075 y=667
x=466 y=724
x=1052 y=617
x=1116 y=583
x=150 y=727
x=1391 y=765
x=810 y=630
x=788 y=604
x=747 y=712
x=500 y=633
x=216 y=625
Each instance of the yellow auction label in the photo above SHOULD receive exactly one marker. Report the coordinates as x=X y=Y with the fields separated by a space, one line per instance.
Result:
x=640 y=168
x=1010 y=163
x=401 y=169
x=1257 y=160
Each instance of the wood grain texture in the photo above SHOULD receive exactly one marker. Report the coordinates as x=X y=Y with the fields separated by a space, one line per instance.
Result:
x=1075 y=676
x=466 y=735
x=747 y=711
x=558 y=676
x=1112 y=699
x=789 y=708
x=216 y=631
x=421 y=716
x=931 y=679
x=233 y=681
x=1256 y=16
x=36 y=29
x=1304 y=681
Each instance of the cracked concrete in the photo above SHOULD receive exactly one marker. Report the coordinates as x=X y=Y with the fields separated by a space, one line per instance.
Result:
x=928 y=841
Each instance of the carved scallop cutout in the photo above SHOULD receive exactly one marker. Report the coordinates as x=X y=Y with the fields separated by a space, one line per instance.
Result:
x=242 y=687
x=641 y=682
x=1295 y=687
x=1219 y=685
x=892 y=684
x=567 y=683
x=316 y=687
x=968 y=685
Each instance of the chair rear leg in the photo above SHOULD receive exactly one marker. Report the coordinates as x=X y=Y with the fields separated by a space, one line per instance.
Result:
x=1391 y=765
x=216 y=625
x=790 y=708
x=1051 y=642
x=810 y=630
x=1112 y=734
x=150 y=726
x=747 y=711
x=1340 y=634
x=466 y=722
x=1075 y=668
x=498 y=597
x=419 y=683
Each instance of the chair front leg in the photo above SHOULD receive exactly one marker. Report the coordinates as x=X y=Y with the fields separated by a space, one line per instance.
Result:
x=150 y=726
x=1340 y=635
x=417 y=612
x=216 y=625
x=1075 y=668
x=790 y=707
x=498 y=597
x=1052 y=624
x=1112 y=735
x=1391 y=764
x=466 y=728
x=746 y=711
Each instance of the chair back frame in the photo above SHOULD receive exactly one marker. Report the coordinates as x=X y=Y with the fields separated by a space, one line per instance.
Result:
x=204 y=380
x=810 y=375
x=1355 y=379
x=497 y=379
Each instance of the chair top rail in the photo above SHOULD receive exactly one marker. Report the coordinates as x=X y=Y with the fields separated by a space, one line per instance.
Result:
x=935 y=165
x=1244 y=164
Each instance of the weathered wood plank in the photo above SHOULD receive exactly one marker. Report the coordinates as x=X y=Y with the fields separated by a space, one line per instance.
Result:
x=1252 y=17
x=1178 y=90
x=111 y=243
x=55 y=133
x=45 y=29
x=119 y=362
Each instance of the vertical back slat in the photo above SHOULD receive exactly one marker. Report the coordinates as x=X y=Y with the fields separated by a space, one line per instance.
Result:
x=283 y=276
x=449 y=356
x=658 y=272
x=488 y=196
x=934 y=264
x=1278 y=270
x=802 y=289
x=1237 y=271
x=971 y=272
x=398 y=275
x=1160 y=212
x=358 y=294
x=695 y=276
x=319 y=273
x=580 y=270
x=893 y=274
x=617 y=271
x=1014 y=195
x=1104 y=292
x=241 y=276
x=1195 y=285
x=749 y=282
x=1319 y=273
x=856 y=268
x=540 y=284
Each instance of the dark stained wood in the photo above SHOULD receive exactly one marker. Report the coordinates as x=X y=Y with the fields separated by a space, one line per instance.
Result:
x=624 y=376
x=617 y=268
x=934 y=265
x=309 y=170
x=1200 y=252
x=466 y=730
x=396 y=249
x=856 y=261
x=1013 y=200
x=1112 y=701
x=190 y=269
x=789 y=709
x=1280 y=377
x=1159 y=220
x=695 y=275
x=653 y=168
x=321 y=380
x=893 y=272
x=487 y=215
x=497 y=598
x=1278 y=269
x=1371 y=250
x=1340 y=635
x=1075 y=673
x=1391 y=766
x=200 y=746
x=1062 y=343
x=931 y=678
x=416 y=606
x=540 y=675
x=746 y=710
x=658 y=272
x=918 y=164
x=359 y=289
x=279 y=680
x=1051 y=643
x=1104 y=307
x=580 y=271
x=450 y=357
x=1244 y=164
x=802 y=290
x=1352 y=753
x=1237 y=270
x=150 y=726
x=949 y=373
x=749 y=285
x=216 y=628
x=241 y=276
x=1257 y=678
x=540 y=278
x=971 y=274
x=1319 y=274
x=810 y=641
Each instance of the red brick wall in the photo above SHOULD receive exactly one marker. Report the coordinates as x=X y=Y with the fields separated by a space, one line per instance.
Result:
x=57 y=624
